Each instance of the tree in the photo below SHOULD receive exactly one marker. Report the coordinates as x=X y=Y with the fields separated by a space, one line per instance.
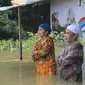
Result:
x=8 y=28
x=31 y=17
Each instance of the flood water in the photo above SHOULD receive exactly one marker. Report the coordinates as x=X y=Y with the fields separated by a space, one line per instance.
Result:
x=16 y=72
x=23 y=73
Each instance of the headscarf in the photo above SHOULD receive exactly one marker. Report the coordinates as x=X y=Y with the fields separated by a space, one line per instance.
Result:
x=46 y=27
x=75 y=29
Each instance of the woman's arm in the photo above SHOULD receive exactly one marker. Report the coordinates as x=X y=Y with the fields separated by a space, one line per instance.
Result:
x=59 y=59
x=45 y=50
x=35 y=54
x=74 y=55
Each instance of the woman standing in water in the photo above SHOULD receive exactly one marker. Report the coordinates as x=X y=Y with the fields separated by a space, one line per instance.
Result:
x=71 y=59
x=43 y=52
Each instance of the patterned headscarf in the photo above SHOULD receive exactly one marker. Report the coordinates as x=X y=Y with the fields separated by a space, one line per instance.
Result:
x=46 y=27
x=75 y=29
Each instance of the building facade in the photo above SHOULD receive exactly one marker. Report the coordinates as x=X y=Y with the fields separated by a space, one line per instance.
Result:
x=64 y=12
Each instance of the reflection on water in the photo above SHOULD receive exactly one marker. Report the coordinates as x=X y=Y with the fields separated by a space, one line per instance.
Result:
x=20 y=74
x=53 y=80
x=45 y=80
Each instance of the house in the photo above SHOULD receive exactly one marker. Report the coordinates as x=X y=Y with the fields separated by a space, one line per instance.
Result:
x=64 y=12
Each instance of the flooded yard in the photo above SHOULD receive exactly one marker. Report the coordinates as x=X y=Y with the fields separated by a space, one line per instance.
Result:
x=16 y=72
x=23 y=73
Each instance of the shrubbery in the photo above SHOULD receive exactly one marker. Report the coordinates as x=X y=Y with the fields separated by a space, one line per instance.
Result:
x=28 y=44
x=9 y=28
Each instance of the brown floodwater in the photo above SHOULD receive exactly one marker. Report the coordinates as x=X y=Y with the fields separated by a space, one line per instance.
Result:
x=16 y=72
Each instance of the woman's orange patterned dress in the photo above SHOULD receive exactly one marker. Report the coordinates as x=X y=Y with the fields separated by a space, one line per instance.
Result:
x=44 y=56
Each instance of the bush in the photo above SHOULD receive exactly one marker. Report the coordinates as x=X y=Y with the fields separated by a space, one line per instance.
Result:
x=9 y=28
x=28 y=44
x=59 y=39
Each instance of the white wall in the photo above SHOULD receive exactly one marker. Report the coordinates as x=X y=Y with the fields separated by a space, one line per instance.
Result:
x=62 y=6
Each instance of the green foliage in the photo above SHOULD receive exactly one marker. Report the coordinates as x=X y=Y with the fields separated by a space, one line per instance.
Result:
x=31 y=15
x=82 y=40
x=9 y=28
x=28 y=44
x=13 y=45
x=59 y=39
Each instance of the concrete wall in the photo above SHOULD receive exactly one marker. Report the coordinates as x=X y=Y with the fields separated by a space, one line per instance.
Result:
x=62 y=7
